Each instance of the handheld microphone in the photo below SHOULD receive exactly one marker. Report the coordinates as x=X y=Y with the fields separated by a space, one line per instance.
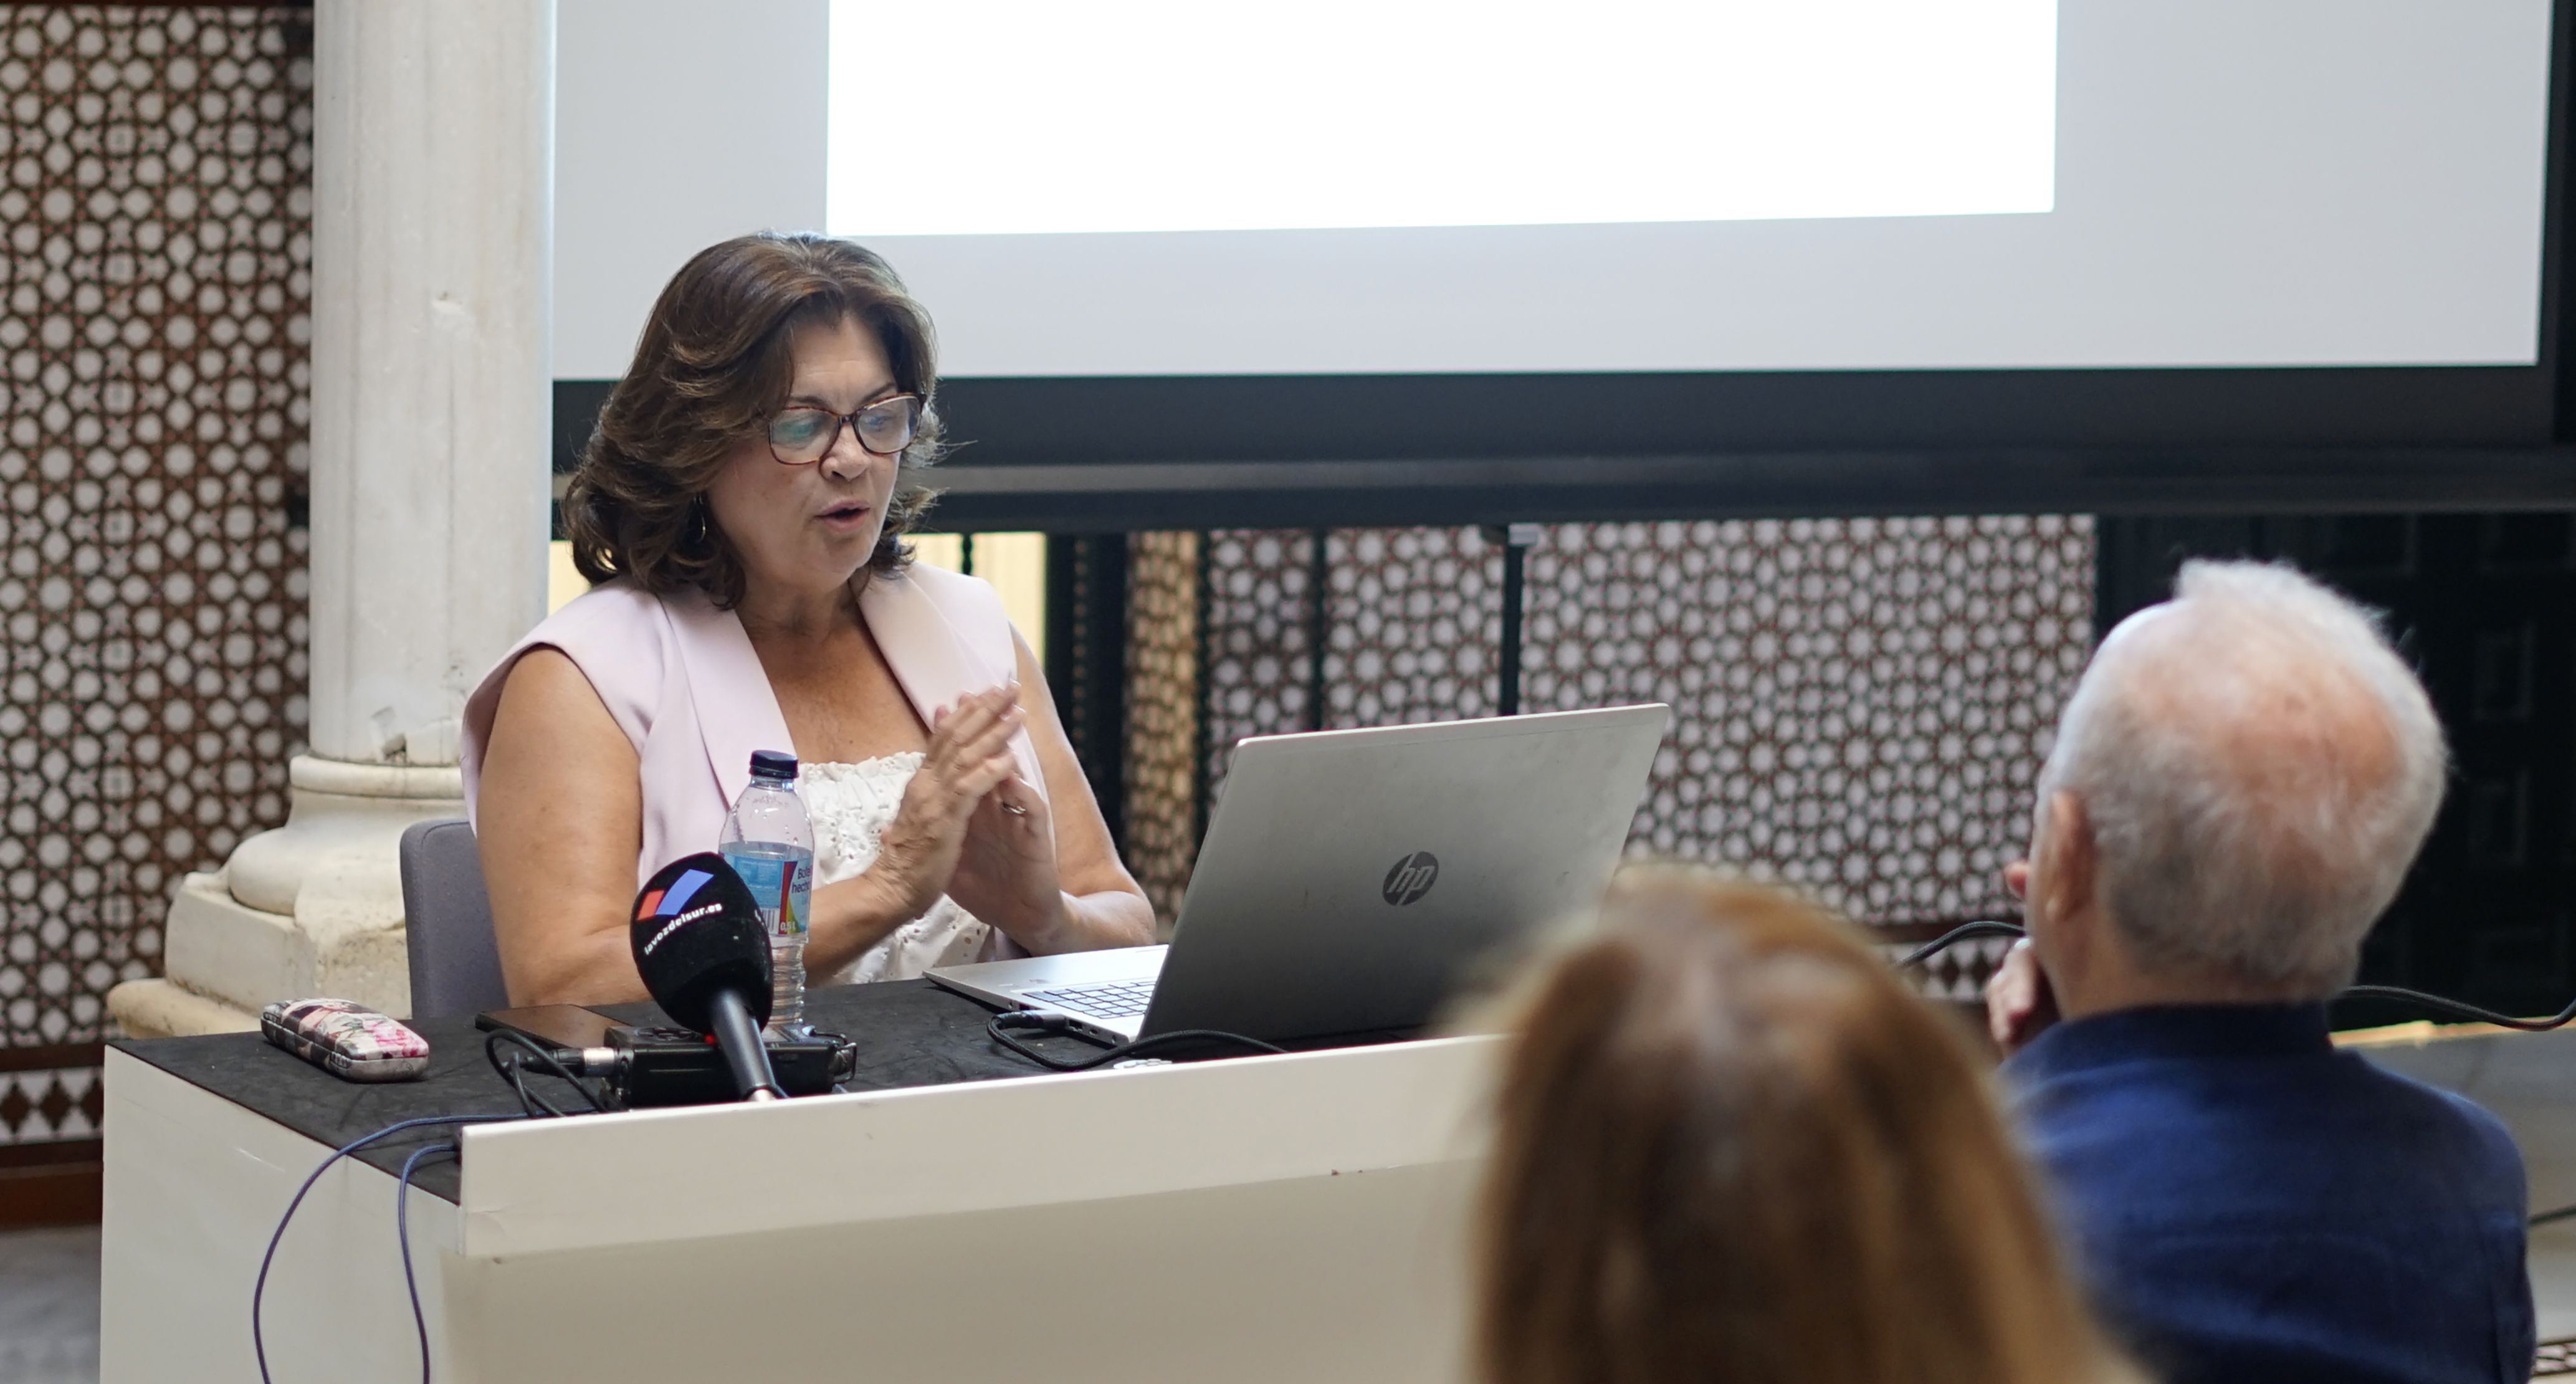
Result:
x=704 y=954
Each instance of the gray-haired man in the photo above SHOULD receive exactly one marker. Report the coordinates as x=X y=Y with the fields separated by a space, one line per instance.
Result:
x=2239 y=784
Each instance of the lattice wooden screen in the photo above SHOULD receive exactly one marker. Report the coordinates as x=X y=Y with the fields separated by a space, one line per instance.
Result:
x=1860 y=705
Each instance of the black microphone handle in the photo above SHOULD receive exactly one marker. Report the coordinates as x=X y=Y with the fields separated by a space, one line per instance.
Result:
x=738 y=1035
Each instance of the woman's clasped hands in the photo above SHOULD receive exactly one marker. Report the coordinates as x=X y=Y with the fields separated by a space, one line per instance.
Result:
x=970 y=827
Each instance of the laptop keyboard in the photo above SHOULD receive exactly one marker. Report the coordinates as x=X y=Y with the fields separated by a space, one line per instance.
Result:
x=1110 y=999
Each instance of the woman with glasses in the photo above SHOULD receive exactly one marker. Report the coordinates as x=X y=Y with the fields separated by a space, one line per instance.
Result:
x=741 y=512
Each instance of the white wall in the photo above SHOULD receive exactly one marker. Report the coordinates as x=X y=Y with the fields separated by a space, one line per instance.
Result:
x=678 y=123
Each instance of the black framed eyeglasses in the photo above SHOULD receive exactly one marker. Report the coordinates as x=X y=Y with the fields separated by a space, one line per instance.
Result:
x=800 y=434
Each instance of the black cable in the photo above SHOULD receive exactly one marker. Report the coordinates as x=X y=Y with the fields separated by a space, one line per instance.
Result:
x=2545 y=1217
x=2459 y=1009
x=1002 y=1025
x=1964 y=932
x=402 y=1234
x=529 y=1101
x=259 y=1286
x=547 y=1057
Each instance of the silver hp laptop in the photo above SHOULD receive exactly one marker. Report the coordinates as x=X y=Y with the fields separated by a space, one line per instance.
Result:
x=1350 y=879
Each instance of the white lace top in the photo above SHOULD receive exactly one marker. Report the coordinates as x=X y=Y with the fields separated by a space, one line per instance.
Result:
x=852 y=805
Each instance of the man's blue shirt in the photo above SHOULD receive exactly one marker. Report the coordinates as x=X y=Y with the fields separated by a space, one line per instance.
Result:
x=2247 y=1203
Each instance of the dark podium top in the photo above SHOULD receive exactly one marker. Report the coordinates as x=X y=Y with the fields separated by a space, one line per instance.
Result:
x=909 y=1033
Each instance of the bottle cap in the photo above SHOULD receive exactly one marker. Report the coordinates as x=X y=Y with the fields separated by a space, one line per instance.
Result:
x=773 y=764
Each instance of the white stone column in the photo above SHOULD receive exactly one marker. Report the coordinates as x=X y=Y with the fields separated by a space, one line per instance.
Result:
x=432 y=217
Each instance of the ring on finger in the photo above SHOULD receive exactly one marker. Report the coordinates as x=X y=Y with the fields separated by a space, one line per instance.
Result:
x=1015 y=809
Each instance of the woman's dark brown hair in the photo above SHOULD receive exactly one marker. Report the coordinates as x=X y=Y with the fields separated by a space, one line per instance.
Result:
x=1732 y=1146
x=714 y=363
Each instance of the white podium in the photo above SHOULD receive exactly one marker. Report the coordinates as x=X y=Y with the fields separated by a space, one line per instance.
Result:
x=1258 y=1219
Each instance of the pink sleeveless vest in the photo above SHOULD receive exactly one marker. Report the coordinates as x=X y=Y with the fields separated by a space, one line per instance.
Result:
x=682 y=681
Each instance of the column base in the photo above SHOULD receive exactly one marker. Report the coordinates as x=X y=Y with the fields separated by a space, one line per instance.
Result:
x=313 y=908
x=167 y=1009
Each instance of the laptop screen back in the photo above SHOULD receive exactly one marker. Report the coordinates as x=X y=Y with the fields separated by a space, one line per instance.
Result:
x=1353 y=880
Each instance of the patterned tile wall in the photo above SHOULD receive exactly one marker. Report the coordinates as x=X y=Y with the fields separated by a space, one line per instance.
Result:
x=51 y=1105
x=156 y=196
x=1957 y=974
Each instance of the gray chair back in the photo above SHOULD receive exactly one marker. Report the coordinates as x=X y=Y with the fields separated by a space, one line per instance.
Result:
x=447 y=923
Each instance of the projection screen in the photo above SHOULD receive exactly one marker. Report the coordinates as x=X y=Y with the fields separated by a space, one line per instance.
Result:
x=1166 y=187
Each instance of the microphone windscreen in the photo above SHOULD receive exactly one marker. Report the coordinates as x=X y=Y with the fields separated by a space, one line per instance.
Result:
x=697 y=932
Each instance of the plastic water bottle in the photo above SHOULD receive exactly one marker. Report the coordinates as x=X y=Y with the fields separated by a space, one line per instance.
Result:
x=769 y=841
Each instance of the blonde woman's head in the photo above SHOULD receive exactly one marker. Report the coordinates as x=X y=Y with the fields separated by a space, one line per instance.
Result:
x=1732 y=1146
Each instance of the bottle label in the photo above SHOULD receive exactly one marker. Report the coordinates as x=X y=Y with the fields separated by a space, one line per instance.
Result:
x=783 y=886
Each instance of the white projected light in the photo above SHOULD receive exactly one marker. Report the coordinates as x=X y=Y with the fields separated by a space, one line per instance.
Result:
x=1381 y=187
x=977 y=117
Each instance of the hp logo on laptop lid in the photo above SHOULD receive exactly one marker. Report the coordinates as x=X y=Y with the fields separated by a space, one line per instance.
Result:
x=1411 y=878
